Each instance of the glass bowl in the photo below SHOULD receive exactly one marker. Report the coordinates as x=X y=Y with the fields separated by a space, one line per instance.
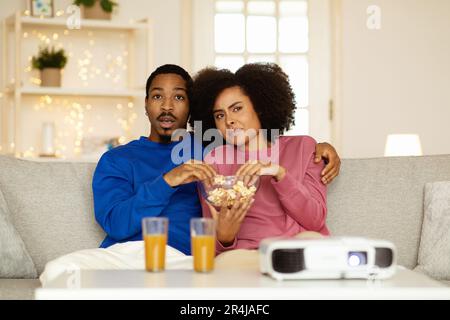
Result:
x=226 y=190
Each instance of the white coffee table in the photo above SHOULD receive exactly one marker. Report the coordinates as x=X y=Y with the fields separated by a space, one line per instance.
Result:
x=235 y=285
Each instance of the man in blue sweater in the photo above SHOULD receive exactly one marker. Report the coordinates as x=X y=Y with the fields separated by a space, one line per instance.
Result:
x=140 y=180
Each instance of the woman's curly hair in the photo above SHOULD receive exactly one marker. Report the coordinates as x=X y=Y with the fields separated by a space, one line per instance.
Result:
x=266 y=84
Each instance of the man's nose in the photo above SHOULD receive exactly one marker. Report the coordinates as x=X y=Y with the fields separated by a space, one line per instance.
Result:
x=167 y=105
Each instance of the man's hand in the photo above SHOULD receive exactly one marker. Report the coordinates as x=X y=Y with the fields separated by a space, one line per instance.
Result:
x=190 y=171
x=229 y=220
x=331 y=170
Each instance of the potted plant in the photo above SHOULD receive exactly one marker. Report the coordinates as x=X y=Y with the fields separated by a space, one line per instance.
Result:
x=50 y=63
x=96 y=9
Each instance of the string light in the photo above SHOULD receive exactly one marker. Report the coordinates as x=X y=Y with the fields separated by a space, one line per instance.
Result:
x=35 y=81
x=46 y=99
x=30 y=153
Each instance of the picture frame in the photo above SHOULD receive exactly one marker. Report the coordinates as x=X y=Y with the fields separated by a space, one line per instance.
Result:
x=42 y=8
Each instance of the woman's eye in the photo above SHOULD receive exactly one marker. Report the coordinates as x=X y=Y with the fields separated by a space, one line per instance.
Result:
x=179 y=98
x=236 y=109
x=219 y=116
x=156 y=97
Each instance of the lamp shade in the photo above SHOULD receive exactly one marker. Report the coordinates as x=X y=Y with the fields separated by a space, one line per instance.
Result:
x=398 y=145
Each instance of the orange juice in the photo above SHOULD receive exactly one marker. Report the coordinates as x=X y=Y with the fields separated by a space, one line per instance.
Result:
x=155 y=251
x=203 y=250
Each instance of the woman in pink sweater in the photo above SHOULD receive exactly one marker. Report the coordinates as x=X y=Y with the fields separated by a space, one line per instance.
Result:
x=291 y=198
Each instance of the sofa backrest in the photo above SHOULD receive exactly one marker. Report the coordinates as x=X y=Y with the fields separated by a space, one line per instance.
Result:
x=51 y=206
x=51 y=203
x=383 y=198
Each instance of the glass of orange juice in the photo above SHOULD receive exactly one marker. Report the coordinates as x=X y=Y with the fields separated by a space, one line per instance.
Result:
x=203 y=243
x=154 y=232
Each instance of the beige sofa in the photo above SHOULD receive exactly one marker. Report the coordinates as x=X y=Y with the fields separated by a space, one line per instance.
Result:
x=51 y=206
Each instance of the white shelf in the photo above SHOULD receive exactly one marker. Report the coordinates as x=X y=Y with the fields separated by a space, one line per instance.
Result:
x=12 y=125
x=50 y=91
x=85 y=23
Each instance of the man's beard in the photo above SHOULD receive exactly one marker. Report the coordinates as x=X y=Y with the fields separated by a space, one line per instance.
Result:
x=165 y=138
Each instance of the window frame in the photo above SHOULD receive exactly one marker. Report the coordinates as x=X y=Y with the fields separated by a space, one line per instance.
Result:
x=318 y=57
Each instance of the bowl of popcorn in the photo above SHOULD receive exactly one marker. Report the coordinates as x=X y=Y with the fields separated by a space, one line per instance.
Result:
x=224 y=191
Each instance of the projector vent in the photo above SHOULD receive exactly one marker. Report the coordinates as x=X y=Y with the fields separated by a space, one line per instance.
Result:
x=288 y=260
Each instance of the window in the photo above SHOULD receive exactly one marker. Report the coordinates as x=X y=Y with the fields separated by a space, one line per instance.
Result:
x=267 y=31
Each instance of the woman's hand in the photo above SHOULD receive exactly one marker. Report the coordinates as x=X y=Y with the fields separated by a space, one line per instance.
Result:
x=329 y=154
x=252 y=169
x=229 y=220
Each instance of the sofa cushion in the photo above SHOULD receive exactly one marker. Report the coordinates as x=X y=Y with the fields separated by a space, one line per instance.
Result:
x=18 y=289
x=434 y=250
x=51 y=206
x=383 y=198
x=14 y=257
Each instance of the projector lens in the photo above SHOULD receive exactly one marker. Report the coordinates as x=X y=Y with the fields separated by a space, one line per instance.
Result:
x=357 y=258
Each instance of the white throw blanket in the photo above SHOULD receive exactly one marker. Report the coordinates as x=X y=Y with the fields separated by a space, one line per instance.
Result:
x=125 y=256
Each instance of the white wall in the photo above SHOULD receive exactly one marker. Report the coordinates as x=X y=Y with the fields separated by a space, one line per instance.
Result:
x=397 y=79
x=165 y=15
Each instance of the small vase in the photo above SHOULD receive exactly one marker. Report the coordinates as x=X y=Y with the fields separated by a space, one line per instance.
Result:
x=95 y=12
x=51 y=77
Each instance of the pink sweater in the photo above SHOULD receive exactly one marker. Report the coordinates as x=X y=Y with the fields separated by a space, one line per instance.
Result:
x=296 y=203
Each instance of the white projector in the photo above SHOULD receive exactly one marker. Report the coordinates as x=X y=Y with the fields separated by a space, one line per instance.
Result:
x=327 y=258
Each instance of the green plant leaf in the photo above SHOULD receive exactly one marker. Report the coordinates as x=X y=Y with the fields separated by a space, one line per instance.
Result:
x=86 y=3
x=47 y=58
x=108 y=5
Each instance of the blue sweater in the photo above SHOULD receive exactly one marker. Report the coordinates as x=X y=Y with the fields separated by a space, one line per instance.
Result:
x=128 y=185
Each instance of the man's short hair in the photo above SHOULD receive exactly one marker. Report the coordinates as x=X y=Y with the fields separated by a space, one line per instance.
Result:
x=171 y=69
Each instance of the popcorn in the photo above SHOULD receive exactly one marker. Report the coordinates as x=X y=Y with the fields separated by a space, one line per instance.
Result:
x=220 y=180
x=221 y=196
